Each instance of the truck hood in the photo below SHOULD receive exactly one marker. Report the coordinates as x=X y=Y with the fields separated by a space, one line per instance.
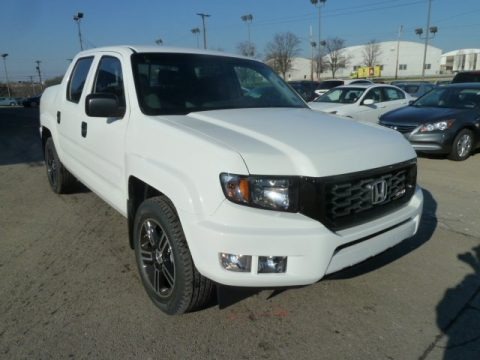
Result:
x=280 y=141
x=325 y=106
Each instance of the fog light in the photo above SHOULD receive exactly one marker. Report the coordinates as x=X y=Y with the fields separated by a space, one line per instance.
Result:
x=239 y=263
x=272 y=264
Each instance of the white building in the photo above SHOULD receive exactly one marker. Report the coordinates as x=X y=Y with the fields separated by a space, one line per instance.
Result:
x=410 y=61
x=460 y=60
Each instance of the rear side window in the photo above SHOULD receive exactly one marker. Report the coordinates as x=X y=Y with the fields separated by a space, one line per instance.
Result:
x=78 y=78
x=391 y=94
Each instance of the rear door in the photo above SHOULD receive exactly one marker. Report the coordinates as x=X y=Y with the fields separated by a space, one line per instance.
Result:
x=70 y=114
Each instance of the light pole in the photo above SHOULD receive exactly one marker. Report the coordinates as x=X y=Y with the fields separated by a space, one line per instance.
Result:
x=204 y=28
x=248 y=20
x=78 y=18
x=313 y=44
x=39 y=73
x=196 y=32
x=159 y=42
x=33 y=86
x=319 y=3
x=428 y=30
x=4 y=56
x=400 y=31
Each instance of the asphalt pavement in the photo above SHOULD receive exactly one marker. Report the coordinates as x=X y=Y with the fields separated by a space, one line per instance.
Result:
x=70 y=288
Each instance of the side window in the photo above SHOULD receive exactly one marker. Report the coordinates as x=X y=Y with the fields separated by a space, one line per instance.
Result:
x=77 y=80
x=109 y=78
x=374 y=94
x=393 y=94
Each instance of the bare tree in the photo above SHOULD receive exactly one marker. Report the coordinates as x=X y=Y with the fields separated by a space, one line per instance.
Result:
x=320 y=64
x=371 y=53
x=246 y=48
x=281 y=51
x=335 y=58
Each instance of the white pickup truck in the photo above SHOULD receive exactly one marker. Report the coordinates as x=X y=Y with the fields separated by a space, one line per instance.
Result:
x=223 y=172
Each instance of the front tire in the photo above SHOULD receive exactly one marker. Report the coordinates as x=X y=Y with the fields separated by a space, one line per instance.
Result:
x=164 y=261
x=59 y=178
x=462 y=145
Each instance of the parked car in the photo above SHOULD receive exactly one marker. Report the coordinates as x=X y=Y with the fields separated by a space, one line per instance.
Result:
x=305 y=88
x=33 y=101
x=361 y=102
x=6 y=101
x=444 y=121
x=443 y=82
x=416 y=89
x=326 y=85
x=219 y=184
x=396 y=82
x=466 y=76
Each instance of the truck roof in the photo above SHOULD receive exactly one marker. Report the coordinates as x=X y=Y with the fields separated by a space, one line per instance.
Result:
x=159 y=49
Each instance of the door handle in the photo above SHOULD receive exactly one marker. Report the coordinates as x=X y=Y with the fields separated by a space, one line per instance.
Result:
x=84 y=129
x=59 y=117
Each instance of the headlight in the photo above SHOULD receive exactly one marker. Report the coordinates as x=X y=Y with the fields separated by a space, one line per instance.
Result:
x=439 y=125
x=266 y=192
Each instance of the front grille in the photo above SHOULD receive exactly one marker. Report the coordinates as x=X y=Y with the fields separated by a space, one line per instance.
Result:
x=347 y=200
x=404 y=129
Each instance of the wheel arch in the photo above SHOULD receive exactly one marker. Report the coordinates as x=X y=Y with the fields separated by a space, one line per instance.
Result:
x=138 y=191
x=45 y=134
x=474 y=129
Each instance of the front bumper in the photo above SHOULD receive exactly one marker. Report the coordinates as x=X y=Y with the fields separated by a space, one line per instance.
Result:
x=433 y=143
x=312 y=250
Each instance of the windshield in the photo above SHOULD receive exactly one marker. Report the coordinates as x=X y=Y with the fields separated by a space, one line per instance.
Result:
x=177 y=84
x=451 y=97
x=341 y=96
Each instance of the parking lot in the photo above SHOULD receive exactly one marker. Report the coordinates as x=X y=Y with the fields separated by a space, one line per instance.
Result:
x=70 y=288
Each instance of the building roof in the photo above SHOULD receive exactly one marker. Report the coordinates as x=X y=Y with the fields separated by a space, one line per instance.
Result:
x=461 y=52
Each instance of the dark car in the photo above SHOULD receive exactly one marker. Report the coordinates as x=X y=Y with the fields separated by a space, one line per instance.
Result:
x=416 y=89
x=305 y=88
x=33 y=101
x=444 y=121
x=466 y=76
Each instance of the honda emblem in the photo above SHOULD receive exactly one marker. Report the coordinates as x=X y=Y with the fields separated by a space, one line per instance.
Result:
x=379 y=190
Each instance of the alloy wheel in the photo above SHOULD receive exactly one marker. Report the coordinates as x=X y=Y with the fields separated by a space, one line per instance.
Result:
x=464 y=145
x=52 y=166
x=158 y=264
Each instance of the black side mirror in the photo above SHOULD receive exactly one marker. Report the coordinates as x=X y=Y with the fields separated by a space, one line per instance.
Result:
x=103 y=105
x=410 y=102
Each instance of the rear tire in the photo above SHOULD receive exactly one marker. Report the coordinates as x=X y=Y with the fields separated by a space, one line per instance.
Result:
x=60 y=179
x=164 y=261
x=462 y=145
